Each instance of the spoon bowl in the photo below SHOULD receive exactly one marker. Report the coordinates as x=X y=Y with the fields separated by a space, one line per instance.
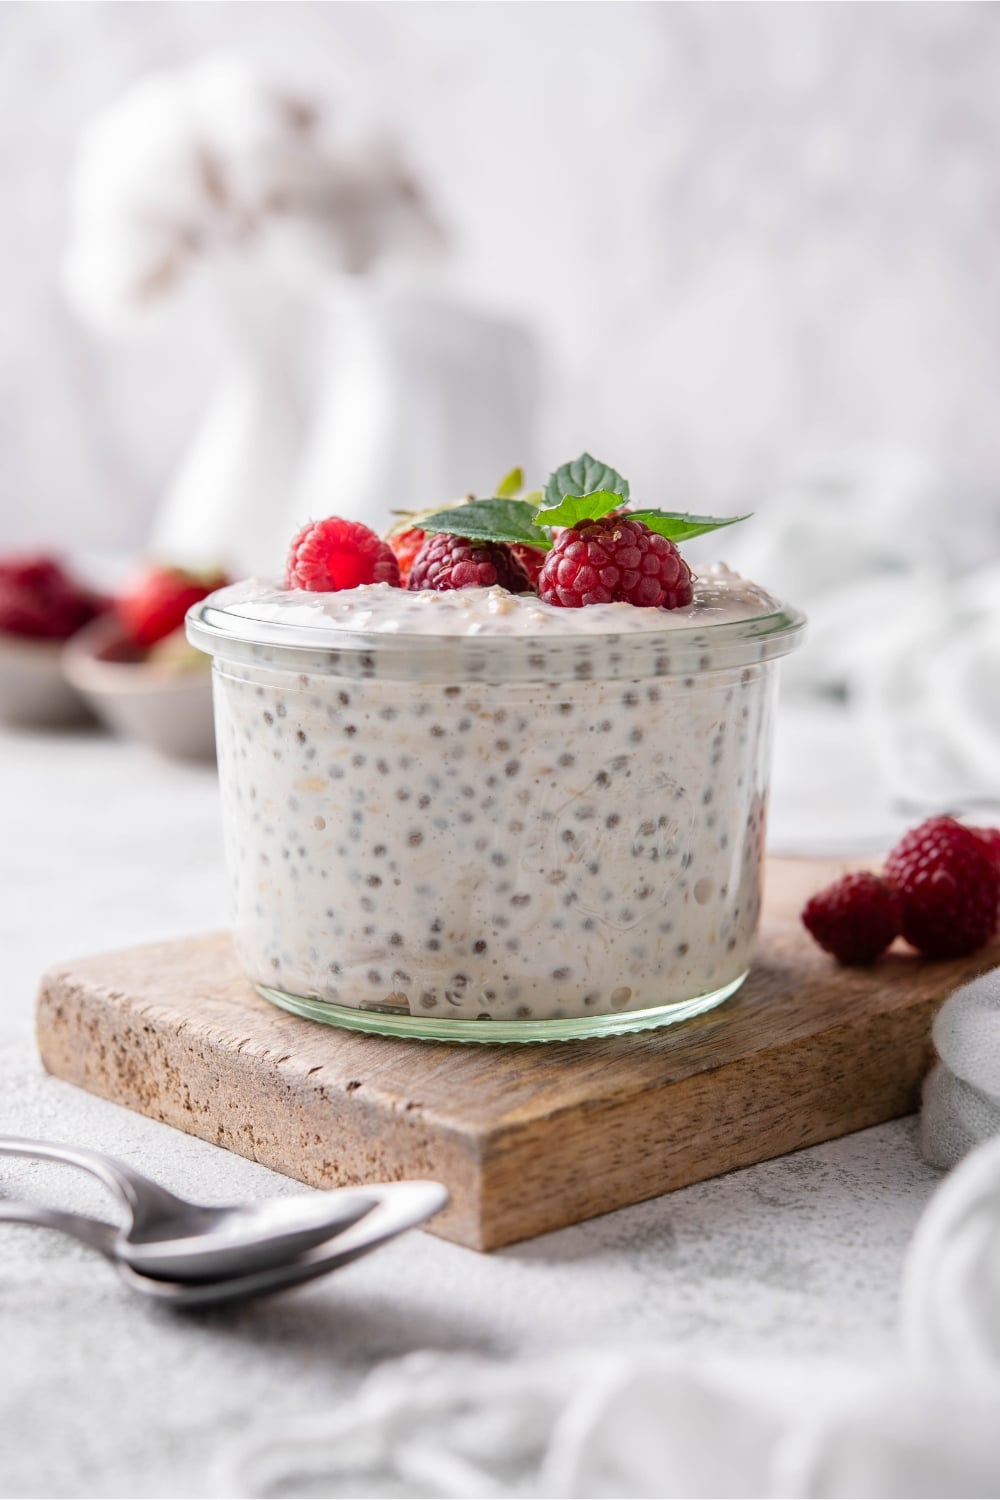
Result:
x=171 y=1239
x=233 y=1240
x=396 y=1207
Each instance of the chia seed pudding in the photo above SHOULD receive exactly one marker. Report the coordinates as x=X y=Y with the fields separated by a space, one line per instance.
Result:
x=473 y=815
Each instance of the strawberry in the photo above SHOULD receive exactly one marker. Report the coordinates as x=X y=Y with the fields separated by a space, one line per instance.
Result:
x=406 y=544
x=154 y=605
x=530 y=558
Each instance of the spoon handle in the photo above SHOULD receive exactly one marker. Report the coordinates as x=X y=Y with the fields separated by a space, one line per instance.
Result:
x=131 y=1186
x=92 y=1232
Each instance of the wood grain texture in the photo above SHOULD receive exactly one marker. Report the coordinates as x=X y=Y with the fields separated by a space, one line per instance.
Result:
x=527 y=1138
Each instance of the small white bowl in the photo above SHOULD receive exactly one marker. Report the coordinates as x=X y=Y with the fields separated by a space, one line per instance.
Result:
x=34 y=692
x=168 y=709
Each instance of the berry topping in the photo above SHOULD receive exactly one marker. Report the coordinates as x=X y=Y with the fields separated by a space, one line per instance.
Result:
x=949 y=885
x=154 y=605
x=453 y=562
x=614 y=559
x=38 y=598
x=405 y=546
x=991 y=838
x=531 y=560
x=855 y=919
x=327 y=556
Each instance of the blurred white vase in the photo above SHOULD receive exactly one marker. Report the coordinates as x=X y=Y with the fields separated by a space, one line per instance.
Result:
x=421 y=401
x=224 y=505
x=353 y=400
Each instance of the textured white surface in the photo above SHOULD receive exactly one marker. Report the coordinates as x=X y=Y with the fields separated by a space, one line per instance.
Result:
x=100 y=1395
x=744 y=232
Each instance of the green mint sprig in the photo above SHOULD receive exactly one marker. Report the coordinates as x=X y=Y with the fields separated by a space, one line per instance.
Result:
x=677 y=526
x=584 y=476
x=495 y=520
x=408 y=519
x=511 y=484
x=573 y=508
x=584 y=490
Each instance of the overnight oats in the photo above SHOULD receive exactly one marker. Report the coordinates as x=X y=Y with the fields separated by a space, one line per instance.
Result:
x=471 y=812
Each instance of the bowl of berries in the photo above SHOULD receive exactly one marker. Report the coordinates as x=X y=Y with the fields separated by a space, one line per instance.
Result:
x=501 y=775
x=136 y=670
x=42 y=605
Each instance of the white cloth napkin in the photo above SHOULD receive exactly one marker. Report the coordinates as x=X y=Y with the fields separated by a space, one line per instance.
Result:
x=962 y=1092
x=658 y=1422
x=894 y=573
x=636 y=1424
x=925 y=688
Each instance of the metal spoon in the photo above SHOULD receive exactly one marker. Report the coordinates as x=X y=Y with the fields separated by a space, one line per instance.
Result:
x=171 y=1238
x=398 y=1206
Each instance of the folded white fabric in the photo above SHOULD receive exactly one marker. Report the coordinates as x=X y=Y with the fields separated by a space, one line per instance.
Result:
x=951 y=1285
x=658 y=1422
x=637 y=1423
x=908 y=635
x=925 y=690
x=961 y=1105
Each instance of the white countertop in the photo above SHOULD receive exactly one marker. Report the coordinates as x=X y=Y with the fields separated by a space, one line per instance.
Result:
x=102 y=844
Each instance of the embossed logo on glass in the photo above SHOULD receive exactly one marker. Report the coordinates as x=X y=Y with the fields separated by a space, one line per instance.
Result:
x=615 y=850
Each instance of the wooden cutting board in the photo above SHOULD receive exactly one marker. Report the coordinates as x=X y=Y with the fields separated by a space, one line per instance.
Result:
x=527 y=1138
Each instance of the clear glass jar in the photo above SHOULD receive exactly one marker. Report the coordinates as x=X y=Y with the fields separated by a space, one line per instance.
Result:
x=503 y=838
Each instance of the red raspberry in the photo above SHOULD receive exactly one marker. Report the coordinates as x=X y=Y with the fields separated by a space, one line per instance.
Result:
x=155 y=603
x=950 y=888
x=405 y=546
x=991 y=838
x=454 y=562
x=39 y=574
x=327 y=556
x=39 y=598
x=615 y=558
x=855 y=919
x=530 y=558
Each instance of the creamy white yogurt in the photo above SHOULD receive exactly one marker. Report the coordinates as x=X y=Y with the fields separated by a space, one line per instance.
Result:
x=720 y=596
x=561 y=848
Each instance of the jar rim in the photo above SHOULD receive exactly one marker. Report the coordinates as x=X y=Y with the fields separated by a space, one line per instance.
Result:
x=672 y=651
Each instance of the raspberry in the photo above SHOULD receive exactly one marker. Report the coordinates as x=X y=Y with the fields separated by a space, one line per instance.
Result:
x=855 y=919
x=155 y=603
x=327 y=556
x=39 y=574
x=950 y=888
x=454 y=562
x=614 y=559
x=530 y=558
x=405 y=546
x=991 y=838
x=38 y=598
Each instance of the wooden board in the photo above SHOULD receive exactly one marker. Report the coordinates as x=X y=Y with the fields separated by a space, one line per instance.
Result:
x=527 y=1138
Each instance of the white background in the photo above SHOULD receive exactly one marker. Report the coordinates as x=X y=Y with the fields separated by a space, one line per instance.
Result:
x=745 y=233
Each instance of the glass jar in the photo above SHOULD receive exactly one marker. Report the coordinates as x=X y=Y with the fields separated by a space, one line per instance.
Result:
x=494 y=838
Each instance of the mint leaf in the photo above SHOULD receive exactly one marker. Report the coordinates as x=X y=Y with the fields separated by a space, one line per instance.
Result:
x=511 y=484
x=678 y=527
x=580 y=508
x=415 y=518
x=584 y=476
x=496 y=520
